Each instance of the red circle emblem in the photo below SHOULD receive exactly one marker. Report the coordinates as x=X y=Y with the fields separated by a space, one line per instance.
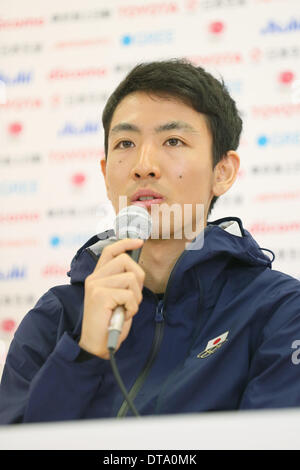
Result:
x=216 y=341
x=216 y=27
x=78 y=179
x=286 y=77
x=15 y=128
x=8 y=325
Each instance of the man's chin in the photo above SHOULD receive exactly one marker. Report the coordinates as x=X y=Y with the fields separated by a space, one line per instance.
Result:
x=165 y=231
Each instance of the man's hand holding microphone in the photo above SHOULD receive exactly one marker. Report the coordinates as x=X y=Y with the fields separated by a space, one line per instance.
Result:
x=116 y=280
x=113 y=292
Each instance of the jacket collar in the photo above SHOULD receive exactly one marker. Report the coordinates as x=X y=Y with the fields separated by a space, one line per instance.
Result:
x=225 y=241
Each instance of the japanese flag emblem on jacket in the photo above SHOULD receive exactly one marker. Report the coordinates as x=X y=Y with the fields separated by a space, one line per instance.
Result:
x=213 y=345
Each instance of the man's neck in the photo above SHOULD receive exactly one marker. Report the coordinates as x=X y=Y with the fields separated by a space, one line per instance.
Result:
x=158 y=257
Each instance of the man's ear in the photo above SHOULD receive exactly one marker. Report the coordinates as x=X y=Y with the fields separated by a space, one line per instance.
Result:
x=225 y=173
x=103 y=167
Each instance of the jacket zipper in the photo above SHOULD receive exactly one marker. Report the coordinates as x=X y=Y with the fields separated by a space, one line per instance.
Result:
x=158 y=335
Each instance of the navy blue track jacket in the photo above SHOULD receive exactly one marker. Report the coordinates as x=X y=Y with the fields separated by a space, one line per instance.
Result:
x=220 y=339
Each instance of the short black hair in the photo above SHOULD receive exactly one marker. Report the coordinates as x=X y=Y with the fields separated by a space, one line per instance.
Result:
x=180 y=79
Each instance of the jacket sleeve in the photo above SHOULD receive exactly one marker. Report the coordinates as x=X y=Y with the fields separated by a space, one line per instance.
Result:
x=42 y=379
x=274 y=373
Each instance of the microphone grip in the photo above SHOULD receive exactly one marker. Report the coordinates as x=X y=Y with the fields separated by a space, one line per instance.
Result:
x=135 y=254
x=118 y=316
x=115 y=327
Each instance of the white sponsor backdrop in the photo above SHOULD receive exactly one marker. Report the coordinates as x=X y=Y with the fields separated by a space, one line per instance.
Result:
x=60 y=60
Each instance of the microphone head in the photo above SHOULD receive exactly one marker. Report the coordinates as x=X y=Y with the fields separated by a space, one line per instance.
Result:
x=133 y=222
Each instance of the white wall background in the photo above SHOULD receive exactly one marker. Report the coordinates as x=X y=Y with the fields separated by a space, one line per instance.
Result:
x=60 y=60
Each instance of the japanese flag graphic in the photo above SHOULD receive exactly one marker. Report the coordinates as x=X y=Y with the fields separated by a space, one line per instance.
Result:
x=218 y=340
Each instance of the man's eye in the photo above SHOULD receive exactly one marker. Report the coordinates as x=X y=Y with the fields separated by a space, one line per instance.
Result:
x=173 y=142
x=124 y=144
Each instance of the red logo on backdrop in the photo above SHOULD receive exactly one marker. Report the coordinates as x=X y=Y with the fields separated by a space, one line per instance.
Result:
x=191 y=5
x=8 y=325
x=59 y=74
x=54 y=270
x=286 y=77
x=241 y=173
x=78 y=179
x=21 y=22
x=256 y=54
x=55 y=100
x=15 y=128
x=217 y=27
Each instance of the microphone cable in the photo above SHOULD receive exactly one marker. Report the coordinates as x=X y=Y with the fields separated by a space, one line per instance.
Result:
x=120 y=382
x=131 y=222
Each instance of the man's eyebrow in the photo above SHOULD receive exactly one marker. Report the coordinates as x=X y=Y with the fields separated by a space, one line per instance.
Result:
x=124 y=126
x=175 y=125
x=168 y=126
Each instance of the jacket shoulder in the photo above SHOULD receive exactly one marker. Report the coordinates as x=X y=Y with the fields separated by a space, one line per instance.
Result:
x=283 y=292
x=34 y=340
x=54 y=313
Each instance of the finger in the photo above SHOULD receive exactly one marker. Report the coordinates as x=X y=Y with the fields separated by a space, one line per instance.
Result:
x=117 y=248
x=123 y=297
x=122 y=263
x=127 y=280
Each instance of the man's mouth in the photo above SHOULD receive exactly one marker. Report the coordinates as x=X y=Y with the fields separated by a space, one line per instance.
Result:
x=146 y=197
x=147 y=201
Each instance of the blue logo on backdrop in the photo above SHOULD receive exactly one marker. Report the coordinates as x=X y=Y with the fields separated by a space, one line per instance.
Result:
x=20 y=78
x=7 y=188
x=274 y=27
x=70 y=129
x=57 y=241
x=234 y=86
x=277 y=140
x=14 y=273
x=142 y=39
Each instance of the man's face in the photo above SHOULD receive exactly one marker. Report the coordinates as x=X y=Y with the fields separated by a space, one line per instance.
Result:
x=160 y=144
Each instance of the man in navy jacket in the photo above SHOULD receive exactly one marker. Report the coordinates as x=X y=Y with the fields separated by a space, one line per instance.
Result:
x=205 y=329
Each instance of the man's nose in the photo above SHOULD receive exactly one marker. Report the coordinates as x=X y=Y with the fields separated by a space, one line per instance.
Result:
x=146 y=164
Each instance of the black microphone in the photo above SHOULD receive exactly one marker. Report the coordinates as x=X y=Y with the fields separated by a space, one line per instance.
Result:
x=131 y=222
